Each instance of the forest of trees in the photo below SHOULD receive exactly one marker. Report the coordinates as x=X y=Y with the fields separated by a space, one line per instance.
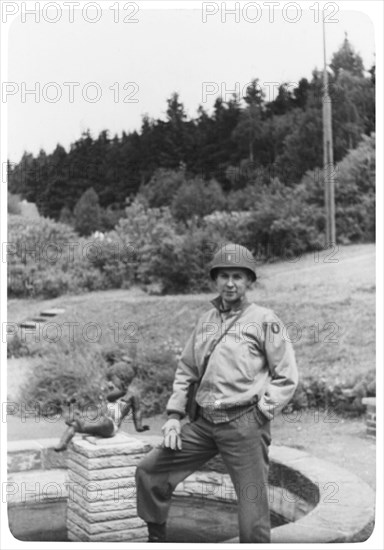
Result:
x=205 y=163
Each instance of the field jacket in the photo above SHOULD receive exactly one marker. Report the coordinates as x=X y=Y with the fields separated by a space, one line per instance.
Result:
x=254 y=361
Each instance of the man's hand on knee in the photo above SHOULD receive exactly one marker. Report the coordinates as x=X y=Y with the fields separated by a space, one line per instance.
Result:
x=171 y=431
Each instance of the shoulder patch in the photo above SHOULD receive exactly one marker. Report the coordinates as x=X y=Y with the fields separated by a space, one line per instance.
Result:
x=275 y=328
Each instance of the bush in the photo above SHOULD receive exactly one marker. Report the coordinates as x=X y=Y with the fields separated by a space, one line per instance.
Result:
x=47 y=259
x=156 y=373
x=341 y=398
x=66 y=372
x=355 y=193
x=130 y=251
x=229 y=227
x=281 y=224
x=109 y=217
x=13 y=204
x=180 y=265
x=162 y=187
x=16 y=347
x=197 y=198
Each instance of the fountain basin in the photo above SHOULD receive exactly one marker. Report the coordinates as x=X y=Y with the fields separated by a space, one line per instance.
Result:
x=313 y=500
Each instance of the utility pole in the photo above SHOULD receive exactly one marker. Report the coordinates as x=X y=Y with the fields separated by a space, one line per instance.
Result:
x=329 y=171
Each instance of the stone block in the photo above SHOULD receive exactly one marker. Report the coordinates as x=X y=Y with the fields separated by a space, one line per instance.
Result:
x=101 y=473
x=101 y=484
x=92 y=506
x=102 y=506
x=99 y=462
x=103 y=515
x=76 y=533
x=21 y=461
x=110 y=525
x=91 y=493
x=120 y=444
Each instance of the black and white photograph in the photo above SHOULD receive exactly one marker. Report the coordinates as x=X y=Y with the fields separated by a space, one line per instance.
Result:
x=191 y=330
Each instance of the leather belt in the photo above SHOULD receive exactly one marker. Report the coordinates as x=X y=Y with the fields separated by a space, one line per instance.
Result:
x=217 y=416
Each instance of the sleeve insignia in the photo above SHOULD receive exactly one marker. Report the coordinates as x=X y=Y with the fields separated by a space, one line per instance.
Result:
x=275 y=328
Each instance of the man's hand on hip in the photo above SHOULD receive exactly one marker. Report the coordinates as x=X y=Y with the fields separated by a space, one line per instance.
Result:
x=171 y=431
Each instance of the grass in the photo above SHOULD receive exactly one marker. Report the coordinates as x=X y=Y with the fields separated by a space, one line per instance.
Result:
x=333 y=304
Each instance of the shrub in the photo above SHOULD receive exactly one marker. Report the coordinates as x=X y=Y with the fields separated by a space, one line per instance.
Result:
x=33 y=243
x=47 y=259
x=197 y=198
x=156 y=373
x=13 y=204
x=109 y=217
x=17 y=347
x=129 y=252
x=65 y=372
x=355 y=193
x=280 y=224
x=341 y=398
x=180 y=264
x=283 y=223
x=162 y=187
x=229 y=227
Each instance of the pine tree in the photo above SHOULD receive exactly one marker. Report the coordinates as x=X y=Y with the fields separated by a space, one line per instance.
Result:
x=345 y=59
x=87 y=213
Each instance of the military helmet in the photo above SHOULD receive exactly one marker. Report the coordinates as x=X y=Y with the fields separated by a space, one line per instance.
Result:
x=233 y=255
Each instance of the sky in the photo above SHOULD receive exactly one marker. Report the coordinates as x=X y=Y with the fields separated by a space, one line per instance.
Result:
x=164 y=51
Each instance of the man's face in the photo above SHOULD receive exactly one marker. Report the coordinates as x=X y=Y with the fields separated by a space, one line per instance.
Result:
x=232 y=284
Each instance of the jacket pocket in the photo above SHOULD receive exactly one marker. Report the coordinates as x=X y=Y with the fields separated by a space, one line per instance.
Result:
x=254 y=361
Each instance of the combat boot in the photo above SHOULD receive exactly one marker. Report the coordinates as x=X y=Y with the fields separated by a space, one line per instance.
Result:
x=157 y=532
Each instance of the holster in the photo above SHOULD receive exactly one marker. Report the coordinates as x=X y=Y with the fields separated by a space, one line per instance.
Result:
x=192 y=408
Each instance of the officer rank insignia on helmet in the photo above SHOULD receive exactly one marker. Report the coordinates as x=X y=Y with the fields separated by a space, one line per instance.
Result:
x=233 y=255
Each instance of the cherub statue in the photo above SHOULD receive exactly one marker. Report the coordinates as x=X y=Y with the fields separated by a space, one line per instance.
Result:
x=114 y=407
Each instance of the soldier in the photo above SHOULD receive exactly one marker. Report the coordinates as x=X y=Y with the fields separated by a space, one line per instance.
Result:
x=246 y=373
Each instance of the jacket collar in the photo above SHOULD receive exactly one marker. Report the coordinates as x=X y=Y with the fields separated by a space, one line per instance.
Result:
x=218 y=304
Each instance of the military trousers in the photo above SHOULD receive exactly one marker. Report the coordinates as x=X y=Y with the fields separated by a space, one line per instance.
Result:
x=243 y=445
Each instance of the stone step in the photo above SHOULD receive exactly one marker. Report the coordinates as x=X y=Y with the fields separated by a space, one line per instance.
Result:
x=52 y=312
x=28 y=324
